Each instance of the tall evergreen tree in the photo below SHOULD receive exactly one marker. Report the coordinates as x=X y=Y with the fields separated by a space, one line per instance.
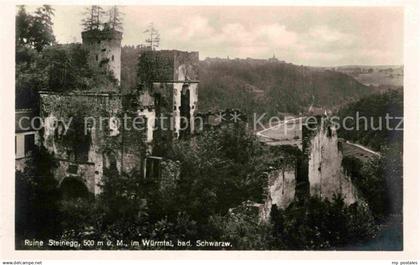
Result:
x=35 y=31
x=92 y=21
x=22 y=26
x=115 y=18
x=153 y=37
x=42 y=32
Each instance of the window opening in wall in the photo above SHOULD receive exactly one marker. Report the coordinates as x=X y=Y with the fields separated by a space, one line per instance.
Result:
x=329 y=132
x=72 y=169
x=185 y=111
x=152 y=167
x=29 y=143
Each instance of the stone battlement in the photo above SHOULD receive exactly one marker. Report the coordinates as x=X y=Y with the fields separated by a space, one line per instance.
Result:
x=96 y=34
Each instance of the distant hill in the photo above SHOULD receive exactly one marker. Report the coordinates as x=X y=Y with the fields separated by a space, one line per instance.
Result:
x=384 y=76
x=256 y=85
x=375 y=108
x=269 y=86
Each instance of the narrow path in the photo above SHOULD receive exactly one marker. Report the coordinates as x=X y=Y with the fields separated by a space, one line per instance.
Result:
x=364 y=148
x=259 y=133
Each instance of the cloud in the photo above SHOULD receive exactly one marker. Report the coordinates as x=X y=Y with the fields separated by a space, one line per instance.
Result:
x=192 y=29
x=276 y=35
x=241 y=40
x=326 y=34
x=302 y=35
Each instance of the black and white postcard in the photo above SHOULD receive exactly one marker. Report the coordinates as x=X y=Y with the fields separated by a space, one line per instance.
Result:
x=211 y=129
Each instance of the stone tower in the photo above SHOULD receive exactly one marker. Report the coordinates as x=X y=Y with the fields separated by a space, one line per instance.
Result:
x=104 y=48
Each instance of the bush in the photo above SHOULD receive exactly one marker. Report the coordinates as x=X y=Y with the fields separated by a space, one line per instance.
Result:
x=36 y=198
x=242 y=228
x=321 y=224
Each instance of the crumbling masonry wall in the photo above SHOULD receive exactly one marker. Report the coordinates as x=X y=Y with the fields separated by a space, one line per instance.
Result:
x=326 y=175
x=105 y=145
x=171 y=77
x=167 y=66
x=280 y=191
x=316 y=172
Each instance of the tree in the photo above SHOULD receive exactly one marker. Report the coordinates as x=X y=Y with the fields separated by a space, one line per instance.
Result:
x=35 y=31
x=217 y=174
x=153 y=38
x=22 y=26
x=92 y=21
x=41 y=31
x=33 y=34
x=115 y=18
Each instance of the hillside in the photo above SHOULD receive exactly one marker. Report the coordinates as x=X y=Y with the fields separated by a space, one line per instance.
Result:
x=380 y=181
x=375 y=108
x=260 y=85
x=263 y=86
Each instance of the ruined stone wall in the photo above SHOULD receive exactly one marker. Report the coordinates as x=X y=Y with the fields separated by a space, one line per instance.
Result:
x=165 y=74
x=282 y=185
x=84 y=173
x=168 y=65
x=150 y=120
x=163 y=94
x=85 y=151
x=319 y=167
x=138 y=144
x=58 y=108
x=325 y=172
x=155 y=66
x=186 y=66
x=193 y=90
x=281 y=190
x=107 y=144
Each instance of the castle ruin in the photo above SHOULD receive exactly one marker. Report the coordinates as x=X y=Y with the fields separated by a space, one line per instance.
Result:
x=96 y=142
x=316 y=172
x=167 y=92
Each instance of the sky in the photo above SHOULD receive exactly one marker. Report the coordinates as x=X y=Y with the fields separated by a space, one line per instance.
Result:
x=317 y=36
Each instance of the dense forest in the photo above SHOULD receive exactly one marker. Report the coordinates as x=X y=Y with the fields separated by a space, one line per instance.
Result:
x=272 y=87
x=375 y=108
x=380 y=180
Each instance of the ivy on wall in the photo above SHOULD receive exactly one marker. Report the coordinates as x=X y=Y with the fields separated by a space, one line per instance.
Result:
x=79 y=112
x=85 y=112
x=154 y=66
